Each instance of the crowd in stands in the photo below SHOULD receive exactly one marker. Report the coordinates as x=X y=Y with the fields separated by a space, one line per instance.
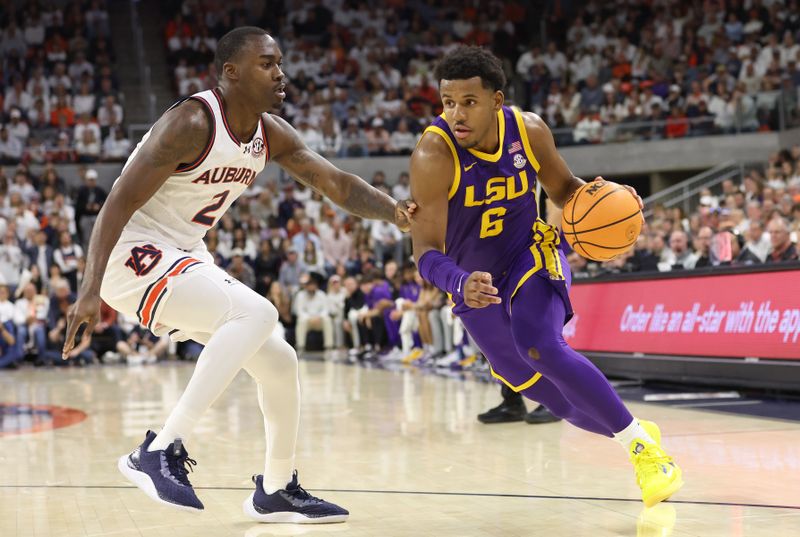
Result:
x=361 y=86
x=361 y=73
x=750 y=221
x=337 y=281
x=60 y=100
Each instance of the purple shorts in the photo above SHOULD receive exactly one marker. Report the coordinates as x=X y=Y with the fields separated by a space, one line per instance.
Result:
x=543 y=266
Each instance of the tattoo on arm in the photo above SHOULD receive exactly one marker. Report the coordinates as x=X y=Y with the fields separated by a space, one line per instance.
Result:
x=366 y=201
x=346 y=190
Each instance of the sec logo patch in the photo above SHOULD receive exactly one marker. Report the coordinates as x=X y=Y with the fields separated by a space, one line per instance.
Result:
x=258 y=148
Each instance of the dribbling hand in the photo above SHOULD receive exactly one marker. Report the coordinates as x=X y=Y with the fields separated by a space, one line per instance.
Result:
x=85 y=310
x=478 y=290
x=633 y=193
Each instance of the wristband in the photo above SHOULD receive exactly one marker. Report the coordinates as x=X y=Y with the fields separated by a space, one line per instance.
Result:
x=443 y=272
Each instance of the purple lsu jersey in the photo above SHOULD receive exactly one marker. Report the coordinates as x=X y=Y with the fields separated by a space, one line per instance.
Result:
x=493 y=222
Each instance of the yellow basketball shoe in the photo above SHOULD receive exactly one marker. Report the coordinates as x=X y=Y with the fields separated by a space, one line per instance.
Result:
x=656 y=473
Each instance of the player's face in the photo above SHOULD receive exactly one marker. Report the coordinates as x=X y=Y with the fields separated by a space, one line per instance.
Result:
x=470 y=110
x=260 y=74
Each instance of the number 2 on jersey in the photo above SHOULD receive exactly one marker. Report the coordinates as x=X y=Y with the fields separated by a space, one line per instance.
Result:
x=204 y=216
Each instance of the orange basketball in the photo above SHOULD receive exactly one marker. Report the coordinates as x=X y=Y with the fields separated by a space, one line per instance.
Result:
x=601 y=220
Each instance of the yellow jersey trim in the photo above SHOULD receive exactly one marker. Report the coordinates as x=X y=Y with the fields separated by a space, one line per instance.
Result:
x=524 y=386
x=501 y=122
x=523 y=133
x=545 y=255
x=456 y=163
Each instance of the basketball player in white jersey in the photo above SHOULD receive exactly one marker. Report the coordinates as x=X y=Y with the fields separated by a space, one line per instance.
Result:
x=147 y=257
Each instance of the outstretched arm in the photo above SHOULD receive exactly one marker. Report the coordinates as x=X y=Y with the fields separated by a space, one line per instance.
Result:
x=432 y=169
x=348 y=191
x=179 y=136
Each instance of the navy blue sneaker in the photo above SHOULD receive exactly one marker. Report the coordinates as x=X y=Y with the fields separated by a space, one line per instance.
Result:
x=162 y=474
x=292 y=504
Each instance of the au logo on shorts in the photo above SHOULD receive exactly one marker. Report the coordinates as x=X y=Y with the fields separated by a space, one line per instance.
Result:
x=143 y=259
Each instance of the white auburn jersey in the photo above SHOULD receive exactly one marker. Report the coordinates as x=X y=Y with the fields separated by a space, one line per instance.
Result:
x=194 y=197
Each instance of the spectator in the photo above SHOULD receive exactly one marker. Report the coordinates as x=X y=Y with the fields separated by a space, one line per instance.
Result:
x=40 y=253
x=311 y=307
x=68 y=257
x=267 y=265
x=287 y=207
x=291 y=270
x=313 y=260
x=378 y=139
x=589 y=129
x=9 y=348
x=337 y=295
x=110 y=113
x=88 y=147
x=402 y=141
x=89 y=201
x=17 y=97
x=702 y=247
x=17 y=128
x=279 y=297
x=758 y=241
x=241 y=270
x=30 y=314
x=401 y=189
x=116 y=146
x=331 y=135
x=354 y=304
x=682 y=257
x=310 y=136
x=12 y=260
x=84 y=101
x=10 y=148
x=783 y=249
x=306 y=234
x=387 y=239
x=336 y=244
x=353 y=142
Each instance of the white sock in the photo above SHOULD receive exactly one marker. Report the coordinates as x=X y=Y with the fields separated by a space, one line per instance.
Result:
x=277 y=474
x=275 y=369
x=631 y=433
x=169 y=433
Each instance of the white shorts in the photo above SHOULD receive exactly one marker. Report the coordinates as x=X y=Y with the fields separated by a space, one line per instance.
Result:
x=139 y=276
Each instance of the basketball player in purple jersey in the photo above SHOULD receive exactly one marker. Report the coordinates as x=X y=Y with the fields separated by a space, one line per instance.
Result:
x=473 y=176
x=147 y=258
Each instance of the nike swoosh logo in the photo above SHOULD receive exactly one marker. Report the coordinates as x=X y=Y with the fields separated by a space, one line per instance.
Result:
x=468 y=168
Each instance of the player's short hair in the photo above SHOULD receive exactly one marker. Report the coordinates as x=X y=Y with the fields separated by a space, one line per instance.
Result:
x=231 y=43
x=470 y=61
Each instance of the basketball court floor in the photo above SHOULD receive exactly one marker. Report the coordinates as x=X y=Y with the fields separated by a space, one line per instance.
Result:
x=401 y=450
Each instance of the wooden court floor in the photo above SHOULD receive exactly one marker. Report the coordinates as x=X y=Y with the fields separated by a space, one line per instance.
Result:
x=401 y=450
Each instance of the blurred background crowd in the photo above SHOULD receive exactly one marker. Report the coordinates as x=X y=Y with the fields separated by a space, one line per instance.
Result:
x=360 y=86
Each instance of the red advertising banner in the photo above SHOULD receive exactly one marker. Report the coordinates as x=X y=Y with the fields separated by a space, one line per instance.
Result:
x=733 y=315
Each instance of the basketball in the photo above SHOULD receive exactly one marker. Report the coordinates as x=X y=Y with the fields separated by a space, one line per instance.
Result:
x=601 y=220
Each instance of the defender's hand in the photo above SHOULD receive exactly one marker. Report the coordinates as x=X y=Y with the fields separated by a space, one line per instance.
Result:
x=403 y=212
x=86 y=310
x=479 y=291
